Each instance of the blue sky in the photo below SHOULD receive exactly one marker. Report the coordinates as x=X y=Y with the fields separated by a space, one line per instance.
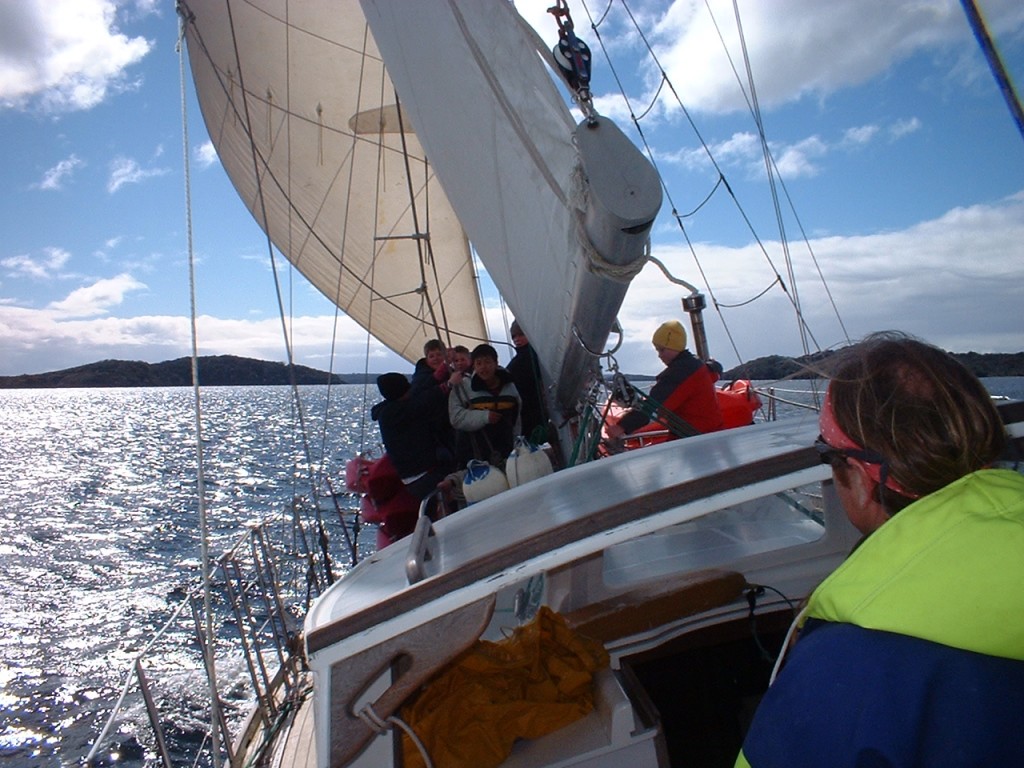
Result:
x=900 y=156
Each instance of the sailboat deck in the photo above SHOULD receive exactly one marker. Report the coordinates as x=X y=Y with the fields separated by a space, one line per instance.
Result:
x=496 y=536
x=295 y=744
x=298 y=746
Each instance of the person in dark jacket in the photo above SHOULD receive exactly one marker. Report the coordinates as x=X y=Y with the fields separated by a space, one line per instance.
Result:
x=911 y=653
x=411 y=425
x=525 y=371
x=433 y=370
x=484 y=409
x=685 y=388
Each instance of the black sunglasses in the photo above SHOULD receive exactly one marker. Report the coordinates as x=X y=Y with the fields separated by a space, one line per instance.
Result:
x=828 y=454
x=836 y=457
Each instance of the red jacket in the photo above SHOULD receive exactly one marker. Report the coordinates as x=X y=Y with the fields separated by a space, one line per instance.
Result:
x=686 y=389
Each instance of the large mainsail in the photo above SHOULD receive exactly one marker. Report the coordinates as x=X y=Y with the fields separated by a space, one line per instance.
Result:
x=304 y=119
x=308 y=125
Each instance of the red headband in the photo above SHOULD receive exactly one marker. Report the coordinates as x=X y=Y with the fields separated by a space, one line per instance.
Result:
x=835 y=437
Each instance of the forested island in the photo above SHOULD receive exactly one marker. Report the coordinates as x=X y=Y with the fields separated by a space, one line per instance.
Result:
x=775 y=367
x=214 y=371
x=229 y=370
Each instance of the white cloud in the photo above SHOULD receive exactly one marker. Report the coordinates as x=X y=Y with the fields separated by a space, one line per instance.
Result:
x=861 y=134
x=96 y=299
x=902 y=128
x=125 y=170
x=63 y=55
x=102 y=255
x=797 y=160
x=917 y=279
x=35 y=341
x=958 y=265
x=205 y=154
x=41 y=268
x=802 y=158
x=797 y=48
x=55 y=177
x=743 y=151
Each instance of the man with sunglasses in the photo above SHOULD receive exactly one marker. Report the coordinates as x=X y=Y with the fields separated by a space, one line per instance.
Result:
x=911 y=653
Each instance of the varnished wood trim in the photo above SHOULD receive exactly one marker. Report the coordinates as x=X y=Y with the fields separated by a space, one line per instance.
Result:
x=574 y=530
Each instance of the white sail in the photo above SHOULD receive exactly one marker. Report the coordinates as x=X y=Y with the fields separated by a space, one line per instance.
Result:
x=304 y=119
x=506 y=151
x=307 y=124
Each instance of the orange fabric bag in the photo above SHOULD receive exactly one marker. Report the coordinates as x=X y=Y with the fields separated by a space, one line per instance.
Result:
x=528 y=685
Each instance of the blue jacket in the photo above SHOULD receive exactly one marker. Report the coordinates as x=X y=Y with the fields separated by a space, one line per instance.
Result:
x=913 y=651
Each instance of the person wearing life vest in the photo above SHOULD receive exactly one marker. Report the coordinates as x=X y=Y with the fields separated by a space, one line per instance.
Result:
x=685 y=388
x=911 y=653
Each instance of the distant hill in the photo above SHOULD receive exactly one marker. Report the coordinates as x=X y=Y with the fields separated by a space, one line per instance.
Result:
x=229 y=370
x=775 y=367
x=214 y=371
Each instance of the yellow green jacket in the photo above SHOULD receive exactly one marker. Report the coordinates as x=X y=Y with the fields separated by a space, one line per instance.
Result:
x=912 y=653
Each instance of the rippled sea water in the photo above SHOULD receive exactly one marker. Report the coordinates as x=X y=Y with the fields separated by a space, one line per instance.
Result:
x=98 y=532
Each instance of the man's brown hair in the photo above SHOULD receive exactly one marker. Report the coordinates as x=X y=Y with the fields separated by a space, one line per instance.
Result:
x=917 y=406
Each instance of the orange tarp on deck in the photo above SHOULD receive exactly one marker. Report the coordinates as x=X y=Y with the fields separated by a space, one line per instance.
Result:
x=534 y=682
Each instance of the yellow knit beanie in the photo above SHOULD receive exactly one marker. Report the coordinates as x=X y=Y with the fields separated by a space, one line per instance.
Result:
x=670 y=335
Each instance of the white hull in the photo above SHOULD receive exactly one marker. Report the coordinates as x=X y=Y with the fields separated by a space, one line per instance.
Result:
x=688 y=521
x=664 y=554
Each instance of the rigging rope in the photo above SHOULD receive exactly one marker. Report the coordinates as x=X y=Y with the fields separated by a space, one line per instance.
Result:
x=318 y=518
x=380 y=725
x=319 y=477
x=787 y=286
x=419 y=237
x=776 y=177
x=371 y=303
x=770 y=174
x=204 y=527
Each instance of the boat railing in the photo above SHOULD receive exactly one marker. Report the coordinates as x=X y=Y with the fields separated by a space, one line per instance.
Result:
x=649 y=437
x=419 y=553
x=774 y=399
x=612 y=398
x=416 y=563
x=253 y=615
